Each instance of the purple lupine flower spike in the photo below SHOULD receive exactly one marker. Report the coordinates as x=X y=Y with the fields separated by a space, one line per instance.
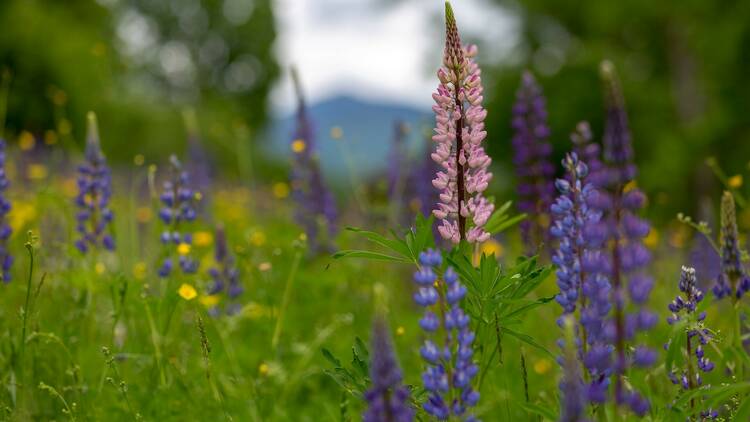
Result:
x=225 y=278
x=6 y=259
x=733 y=279
x=589 y=152
x=198 y=163
x=583 y=283
x=316 y=206
x=179 y=202
x=698 y=336
x=623 y=255
x=459 y=132
x=532 y=160
x=94 y=191
x=450 y=368
x=388 y=398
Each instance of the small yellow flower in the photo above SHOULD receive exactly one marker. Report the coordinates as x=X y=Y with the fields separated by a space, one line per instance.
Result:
x=280 y=190
x=26 y=141
x=203 y=238
x=37 y=172
x=64 y=126
x=337 y=132
x=100 y=268
x=50 y=137
x=400 y=331
x=299 y=146
x=210 y=300
x=139 y=270
x=263 y=369
x=143 y=215
x=652 y=239
x=735 y=181
x=492 y=246
x=198 y=196
x=21 y=214
x=139 y=159
x=187 y=292
x=303 y=237
x=258 y=238
x=69 y=187
x=264 y=266
x=542 y=366
x=183 y=248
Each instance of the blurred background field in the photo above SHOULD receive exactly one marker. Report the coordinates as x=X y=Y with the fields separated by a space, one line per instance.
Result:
x=167 y=75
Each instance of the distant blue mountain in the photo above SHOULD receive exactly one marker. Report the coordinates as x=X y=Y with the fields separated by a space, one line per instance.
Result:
x=367 y=135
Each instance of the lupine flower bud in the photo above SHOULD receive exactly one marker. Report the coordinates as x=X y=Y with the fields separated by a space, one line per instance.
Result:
x=459 y=132
x=224 y=276
x=532 y=160
x=178 y=208
x=733 y=279
x=6 y=259
x=450 y=367
x=94 y=191
x=388 y=399
x=315 y=204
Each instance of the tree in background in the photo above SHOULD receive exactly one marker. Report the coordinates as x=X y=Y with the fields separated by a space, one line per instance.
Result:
x=138 y=63
x=683 y=67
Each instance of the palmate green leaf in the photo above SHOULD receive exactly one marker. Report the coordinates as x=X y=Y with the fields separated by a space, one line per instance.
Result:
x=530 y=304
x=375 y=256
x=500 y=220
x=677 y=340
x=395 y=245
x=360 y=357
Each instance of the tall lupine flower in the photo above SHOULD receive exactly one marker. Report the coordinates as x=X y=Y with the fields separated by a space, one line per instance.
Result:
x=589 y=152
x=623 y=257
x=316 y=206
x=582 y=282
x=459 y=133
x=179 y=202
x=94 y=191
x=388 y=398
x=733 y=279
x=450 y=368
x=532 y=160
x=6 y=259
x=685 y=308
x=224 y=275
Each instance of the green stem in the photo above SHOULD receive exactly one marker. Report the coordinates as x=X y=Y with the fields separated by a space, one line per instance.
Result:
x=156 y=342
x=285 y=299
x=30 y=249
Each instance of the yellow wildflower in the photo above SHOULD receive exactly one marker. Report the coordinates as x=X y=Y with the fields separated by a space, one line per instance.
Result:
x=143 y=215
x=492 y=246
x=542 y=366
x=100 y=268
x=37 y=172
x=400 y=331
x=26 y=141
x=139 y=270
x=210 y=300
x=203 y=238
x=139 y=159
x=258 y=238
x=280 y=190
x=299 y=146
x=187 y=292
x=652 y=239
x=735 y=181
x=263 y=369
x=183 y=248
x=50 y=137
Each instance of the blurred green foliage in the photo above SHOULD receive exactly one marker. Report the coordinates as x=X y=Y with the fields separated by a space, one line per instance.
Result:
x=138 y=63
x=683 y=66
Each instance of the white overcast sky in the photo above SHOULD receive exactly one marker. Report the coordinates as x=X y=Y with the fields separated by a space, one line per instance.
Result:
x=377 y=49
